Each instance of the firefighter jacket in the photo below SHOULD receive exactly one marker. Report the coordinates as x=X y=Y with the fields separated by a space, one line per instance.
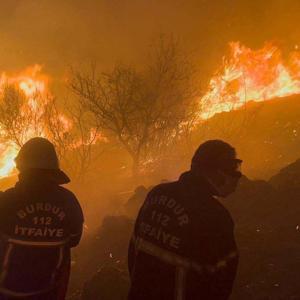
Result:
x=183 y=245
x=40 y=221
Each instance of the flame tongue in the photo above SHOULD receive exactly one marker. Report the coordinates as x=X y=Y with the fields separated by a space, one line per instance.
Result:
x=245 y=75
x=30 y=82
x=33 y=108
x=251 y=75
x=8 y=153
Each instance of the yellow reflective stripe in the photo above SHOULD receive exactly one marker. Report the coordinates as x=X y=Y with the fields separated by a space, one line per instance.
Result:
x=8 y=239
x=180 y=283
x=7 y=255
x=5 y=262
x=61 y=257
x=180 y=261
x=167 y=256
x=38 y=244
x=11 y=243
x=59 y=264
x=232 y=255
x=223 y=263
x=22 y=295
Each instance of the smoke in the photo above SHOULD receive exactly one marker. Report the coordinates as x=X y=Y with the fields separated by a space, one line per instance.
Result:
x=57 y=33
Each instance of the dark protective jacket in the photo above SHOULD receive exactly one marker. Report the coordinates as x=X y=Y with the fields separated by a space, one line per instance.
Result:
x=39 y=222
x=183 y=245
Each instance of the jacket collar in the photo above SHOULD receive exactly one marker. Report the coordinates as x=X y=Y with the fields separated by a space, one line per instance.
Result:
x=35 y=178
x=196 y=184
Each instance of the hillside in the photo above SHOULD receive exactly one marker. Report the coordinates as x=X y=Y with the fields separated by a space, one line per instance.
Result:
x=266 y=215
x=266 y=134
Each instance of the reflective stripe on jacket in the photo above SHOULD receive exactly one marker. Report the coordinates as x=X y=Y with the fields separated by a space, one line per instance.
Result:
x=183 y=246
x=39 y=223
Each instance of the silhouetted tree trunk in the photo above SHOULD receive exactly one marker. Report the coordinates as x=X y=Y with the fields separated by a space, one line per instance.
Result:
x=142 y=109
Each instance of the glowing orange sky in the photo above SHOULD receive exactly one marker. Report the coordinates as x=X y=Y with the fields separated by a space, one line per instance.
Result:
x=57 y=33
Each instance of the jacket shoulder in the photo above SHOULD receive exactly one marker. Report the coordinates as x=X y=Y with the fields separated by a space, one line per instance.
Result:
x=7 y=198
x=66 y=193
x=222 y=215
x=71 y=202
x=9 y=193
x=164 y=188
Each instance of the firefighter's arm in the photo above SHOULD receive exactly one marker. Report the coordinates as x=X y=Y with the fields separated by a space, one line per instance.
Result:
x=226 y=265
x=76 y=236
x=76 y=224
x=131 y=250
x=130 y=256
x=3 y=207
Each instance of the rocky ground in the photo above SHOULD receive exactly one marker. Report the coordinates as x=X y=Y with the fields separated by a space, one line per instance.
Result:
x=267 y=217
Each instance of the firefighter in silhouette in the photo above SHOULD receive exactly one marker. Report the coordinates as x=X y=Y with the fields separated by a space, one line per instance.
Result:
x=135 y=202
x=40 y=222
x=183 y=245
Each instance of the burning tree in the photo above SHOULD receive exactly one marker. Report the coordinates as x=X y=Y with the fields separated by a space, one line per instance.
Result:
x=144 y=110
x=251 y=75
x=23 y=116
x=79 y=143
x=19 y=117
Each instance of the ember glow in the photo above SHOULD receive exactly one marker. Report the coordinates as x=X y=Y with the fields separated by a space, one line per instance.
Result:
x=31 y=82
x=245 y=75
x=7 y=165
x=34 y=86
x=251 y=75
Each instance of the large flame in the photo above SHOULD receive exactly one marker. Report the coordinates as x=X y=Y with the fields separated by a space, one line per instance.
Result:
x=245 y=75
x=34 y=85
x=31 y=82
x=251 y=75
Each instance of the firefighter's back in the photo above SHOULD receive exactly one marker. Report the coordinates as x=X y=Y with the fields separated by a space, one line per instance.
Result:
x=39 y=222
x=183 y=246
x=36 y=226
x=171 y=226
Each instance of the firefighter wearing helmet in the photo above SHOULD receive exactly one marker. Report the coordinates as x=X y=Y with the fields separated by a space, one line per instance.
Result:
x=40 y=222
x=183 y=246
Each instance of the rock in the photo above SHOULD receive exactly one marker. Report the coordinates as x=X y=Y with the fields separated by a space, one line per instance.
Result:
x=288 y=178
x=111 y=282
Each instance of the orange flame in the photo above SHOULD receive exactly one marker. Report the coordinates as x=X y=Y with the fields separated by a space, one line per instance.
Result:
x=251 y=75
x=34 y=85
x=8 y=152
x=31 y=82
x=245 y=75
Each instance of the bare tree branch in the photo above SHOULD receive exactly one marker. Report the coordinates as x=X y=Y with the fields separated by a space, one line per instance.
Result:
x=145 y=110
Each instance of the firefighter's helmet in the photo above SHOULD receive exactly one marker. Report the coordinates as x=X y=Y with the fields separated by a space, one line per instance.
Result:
x=39 y=154
x=217 y=155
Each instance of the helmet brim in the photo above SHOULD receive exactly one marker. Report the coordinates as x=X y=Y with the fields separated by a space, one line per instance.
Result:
x=60 y=177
